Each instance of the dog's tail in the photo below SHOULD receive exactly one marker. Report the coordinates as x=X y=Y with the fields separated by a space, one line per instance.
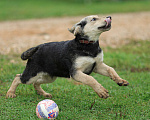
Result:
x=27 y=54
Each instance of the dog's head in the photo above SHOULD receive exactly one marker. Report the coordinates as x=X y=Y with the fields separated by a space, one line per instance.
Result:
x=91 y=27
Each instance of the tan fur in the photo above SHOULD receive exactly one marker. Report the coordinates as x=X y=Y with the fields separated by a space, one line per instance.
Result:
x=82 y=63
x=90 y=81
x=41 y=78
x=12 y=89
x=105 y=70
x=36 y=81
x=90 y=26
x=40 y=91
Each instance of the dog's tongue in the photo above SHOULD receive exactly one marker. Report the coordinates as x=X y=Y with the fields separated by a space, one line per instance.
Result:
x=108 y=20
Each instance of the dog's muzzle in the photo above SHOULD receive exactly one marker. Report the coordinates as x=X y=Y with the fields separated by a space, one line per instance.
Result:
x=108 y=23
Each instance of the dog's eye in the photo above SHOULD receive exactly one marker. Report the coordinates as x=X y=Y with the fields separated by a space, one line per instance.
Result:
x=94 y=19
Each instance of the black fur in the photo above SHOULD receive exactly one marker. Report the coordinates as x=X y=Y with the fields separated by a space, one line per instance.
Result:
x=57 y=58
x=27 y=54
x=83 y=23
x=90 y=70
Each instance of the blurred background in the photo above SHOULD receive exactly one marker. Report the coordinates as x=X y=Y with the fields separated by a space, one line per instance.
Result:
x=27 y=23
x=26 y=9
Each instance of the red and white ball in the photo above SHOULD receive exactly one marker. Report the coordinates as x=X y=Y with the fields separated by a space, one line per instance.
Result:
x=47 y=109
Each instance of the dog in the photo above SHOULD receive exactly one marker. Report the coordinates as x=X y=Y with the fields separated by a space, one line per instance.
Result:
x=75 y=59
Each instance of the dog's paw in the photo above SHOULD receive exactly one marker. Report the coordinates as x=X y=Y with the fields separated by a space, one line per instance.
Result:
x=123 y=82
x=102 y=92
x=10 y=95
x=47 y=95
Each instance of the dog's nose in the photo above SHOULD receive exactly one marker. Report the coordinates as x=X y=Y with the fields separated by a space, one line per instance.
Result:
x=108 y=21
x=109 y=17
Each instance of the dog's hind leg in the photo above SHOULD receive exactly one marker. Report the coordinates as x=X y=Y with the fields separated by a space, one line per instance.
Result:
x=40 y=91
x=42 y=80
x=12 y=89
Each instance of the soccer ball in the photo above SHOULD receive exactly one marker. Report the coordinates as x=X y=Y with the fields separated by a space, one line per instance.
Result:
x=47 y=109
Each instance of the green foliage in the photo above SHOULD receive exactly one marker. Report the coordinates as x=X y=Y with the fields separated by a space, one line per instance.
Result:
x=26 y=9
x=74 y=100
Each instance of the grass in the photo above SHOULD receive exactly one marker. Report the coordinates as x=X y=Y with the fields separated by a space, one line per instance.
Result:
x=27 y=9
x=74 y=100
x=132 y=57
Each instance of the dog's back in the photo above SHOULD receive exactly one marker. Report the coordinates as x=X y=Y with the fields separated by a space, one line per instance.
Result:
x=51 y=58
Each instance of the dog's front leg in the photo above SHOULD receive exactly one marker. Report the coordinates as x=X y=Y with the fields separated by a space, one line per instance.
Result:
x=90 y=81
x=104 y=69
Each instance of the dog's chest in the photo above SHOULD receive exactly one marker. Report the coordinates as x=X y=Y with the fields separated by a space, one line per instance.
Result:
x=87 y=63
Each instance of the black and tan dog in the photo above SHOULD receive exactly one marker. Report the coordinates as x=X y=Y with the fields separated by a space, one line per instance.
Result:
x=75 y=59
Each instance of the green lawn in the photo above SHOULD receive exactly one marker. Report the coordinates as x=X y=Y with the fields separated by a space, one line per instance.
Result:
x=27 y=9
x=74 y=101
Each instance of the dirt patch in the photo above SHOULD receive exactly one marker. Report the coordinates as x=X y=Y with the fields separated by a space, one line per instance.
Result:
x=133 y=69
x=17 y=36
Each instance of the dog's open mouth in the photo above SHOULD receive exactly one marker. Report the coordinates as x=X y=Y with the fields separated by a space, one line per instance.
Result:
x=107 y=25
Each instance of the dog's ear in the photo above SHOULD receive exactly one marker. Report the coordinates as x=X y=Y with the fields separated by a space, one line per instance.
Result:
x=76 y=29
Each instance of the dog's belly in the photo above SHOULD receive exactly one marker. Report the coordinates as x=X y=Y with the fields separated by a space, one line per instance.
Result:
x=41 y=78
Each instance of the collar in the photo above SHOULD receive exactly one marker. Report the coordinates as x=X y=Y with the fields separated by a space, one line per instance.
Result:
x=86 y=41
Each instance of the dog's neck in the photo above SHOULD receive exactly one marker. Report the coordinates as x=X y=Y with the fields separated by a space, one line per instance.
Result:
x=84 y=39
x=89 y=48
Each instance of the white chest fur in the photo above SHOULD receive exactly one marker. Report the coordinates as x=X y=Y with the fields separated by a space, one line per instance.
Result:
x=85 y=63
